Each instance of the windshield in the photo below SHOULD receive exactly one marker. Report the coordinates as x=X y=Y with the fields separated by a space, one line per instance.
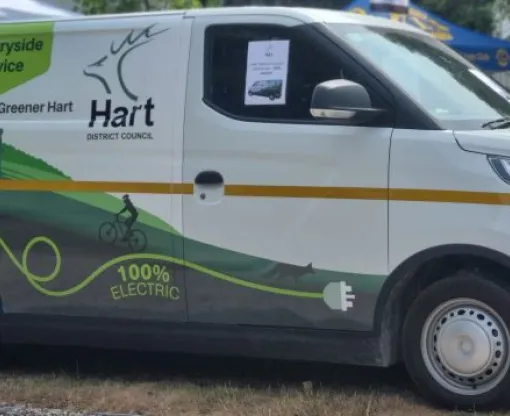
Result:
x=449 y=88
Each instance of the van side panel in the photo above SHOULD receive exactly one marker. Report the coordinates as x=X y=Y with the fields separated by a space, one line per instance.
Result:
x=432 y=204
x=87 y=115
x=297 y=236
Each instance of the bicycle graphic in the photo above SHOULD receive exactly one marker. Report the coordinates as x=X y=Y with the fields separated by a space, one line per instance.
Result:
x=109 y=232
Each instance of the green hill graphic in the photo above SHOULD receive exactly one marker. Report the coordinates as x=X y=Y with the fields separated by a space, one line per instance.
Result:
x=19 y=157
x=20 y=165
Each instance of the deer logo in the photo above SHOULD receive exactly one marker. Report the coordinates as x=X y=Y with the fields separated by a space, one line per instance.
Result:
x=113 y=61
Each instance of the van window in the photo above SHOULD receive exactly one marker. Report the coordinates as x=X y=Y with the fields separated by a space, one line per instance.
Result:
x=448 y=87
x=226 y=50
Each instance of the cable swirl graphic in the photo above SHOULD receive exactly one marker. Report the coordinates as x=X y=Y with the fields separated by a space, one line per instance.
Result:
x=38 y=281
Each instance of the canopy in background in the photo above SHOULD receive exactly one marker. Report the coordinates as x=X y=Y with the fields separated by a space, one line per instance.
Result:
x=488 y=53
x=30 y=9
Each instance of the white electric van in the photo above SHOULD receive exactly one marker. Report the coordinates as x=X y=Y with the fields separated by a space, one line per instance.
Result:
x=361 y=215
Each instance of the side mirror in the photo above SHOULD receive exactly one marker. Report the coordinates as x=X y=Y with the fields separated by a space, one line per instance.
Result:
x=344 y=101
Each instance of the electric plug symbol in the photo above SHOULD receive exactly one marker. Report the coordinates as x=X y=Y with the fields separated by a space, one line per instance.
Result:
x=339 y=296
x=346 y=296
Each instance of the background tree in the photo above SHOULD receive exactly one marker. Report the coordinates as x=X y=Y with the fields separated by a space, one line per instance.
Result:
x=503 y=7
x=503 y=18
x=478 y=15
x=329 y=4
x=472 y=14
x=126 y=6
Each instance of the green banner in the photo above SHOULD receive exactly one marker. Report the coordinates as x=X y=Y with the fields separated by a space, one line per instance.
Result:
x=25 y=52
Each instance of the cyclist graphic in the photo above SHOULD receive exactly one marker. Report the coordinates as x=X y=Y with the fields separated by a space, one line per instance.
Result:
x=128 y=206
x=110 y=231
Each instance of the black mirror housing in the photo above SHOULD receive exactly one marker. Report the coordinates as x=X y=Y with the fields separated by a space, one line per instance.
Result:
x=344 y=101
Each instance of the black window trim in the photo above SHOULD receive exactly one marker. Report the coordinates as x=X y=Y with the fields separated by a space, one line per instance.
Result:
x=408 y=114
x=320 y=35
x=407 y=106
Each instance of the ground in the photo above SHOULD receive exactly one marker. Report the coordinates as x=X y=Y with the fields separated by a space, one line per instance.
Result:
x=167 y=385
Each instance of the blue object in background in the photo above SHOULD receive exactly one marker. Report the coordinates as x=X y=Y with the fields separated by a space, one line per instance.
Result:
x=486 y=52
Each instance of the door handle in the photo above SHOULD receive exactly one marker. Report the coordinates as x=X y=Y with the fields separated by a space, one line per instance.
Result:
x=209 y=187
x=208 y=178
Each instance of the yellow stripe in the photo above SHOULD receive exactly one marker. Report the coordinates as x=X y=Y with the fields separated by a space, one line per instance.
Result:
x=381 y=194
x=306 y=192
x=439 y=195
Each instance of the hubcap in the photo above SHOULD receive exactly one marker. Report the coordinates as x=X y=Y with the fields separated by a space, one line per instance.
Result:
x=464 y=345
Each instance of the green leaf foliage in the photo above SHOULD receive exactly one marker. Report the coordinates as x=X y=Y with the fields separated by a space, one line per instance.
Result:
x=477 y=15
x=128 y=6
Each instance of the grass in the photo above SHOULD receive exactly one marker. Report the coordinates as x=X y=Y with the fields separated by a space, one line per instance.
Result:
x=159 y=384
x=188 y=399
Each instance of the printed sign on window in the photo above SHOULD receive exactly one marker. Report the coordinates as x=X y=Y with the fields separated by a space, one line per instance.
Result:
x=266 y=72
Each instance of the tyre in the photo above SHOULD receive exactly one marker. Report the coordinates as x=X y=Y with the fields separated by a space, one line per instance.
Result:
x=137 y=241
x=455 y=342
x=108 y=233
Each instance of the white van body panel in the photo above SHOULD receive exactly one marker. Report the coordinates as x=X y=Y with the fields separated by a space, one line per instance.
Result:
x=303 y=15
x=426 y=163
x=88 y=166
x=495 y=142
x=341 y=235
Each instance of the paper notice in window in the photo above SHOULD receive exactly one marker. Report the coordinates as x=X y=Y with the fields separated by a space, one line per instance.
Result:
x=266 y=72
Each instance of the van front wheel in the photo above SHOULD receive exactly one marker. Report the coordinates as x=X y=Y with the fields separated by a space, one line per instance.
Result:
x=456 y=342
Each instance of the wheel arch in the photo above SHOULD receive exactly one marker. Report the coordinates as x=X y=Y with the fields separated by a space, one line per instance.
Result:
x=419 y=271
